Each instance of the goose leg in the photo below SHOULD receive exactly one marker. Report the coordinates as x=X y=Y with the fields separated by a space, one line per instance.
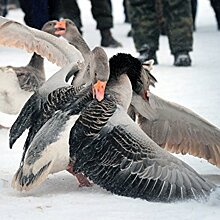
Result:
x=81 y=178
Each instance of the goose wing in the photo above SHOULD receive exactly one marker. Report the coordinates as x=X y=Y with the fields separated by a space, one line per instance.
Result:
x=14 y=34
x=178 y=129
x=42 y=155
x=31 y=111
x=55 y=101
x=26 y=118
x=116 y=154
x=47 y=151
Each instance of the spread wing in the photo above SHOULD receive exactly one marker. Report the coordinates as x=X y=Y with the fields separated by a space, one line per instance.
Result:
x=26 y=118
x=178 y=129
x=116 y=154
x=14 y=34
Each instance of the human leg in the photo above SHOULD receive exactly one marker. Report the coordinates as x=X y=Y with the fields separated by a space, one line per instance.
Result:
x=102 y=13
x=178 y=15
x=71 y=10
x=36 y=12
x=145 y=28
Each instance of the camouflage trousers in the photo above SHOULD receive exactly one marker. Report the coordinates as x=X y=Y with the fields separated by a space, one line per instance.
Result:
x=146 y=27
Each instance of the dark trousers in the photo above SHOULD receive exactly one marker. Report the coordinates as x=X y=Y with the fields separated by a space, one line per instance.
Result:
x=38 y=12
x=101 y=11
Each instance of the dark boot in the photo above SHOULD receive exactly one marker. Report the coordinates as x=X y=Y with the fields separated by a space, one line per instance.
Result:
x=107 y=39
x=182 y=59
x=146 y=54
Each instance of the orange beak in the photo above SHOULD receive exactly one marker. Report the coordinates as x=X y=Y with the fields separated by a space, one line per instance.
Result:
x=98 y=90
x=60 y=27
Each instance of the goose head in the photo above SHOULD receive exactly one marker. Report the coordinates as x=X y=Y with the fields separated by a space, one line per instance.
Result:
x=67 y=29
x=99 y=72
x=125 y=77
x=95 y=73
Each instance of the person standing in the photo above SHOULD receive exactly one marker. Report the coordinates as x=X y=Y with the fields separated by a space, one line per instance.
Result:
x=146 y=29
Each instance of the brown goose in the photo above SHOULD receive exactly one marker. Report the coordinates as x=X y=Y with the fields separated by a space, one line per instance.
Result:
x=48 y=148
x=176 y=128
x=17 y=84
x=111 y=149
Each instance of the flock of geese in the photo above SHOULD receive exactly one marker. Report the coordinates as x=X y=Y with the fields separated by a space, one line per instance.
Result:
x=105 y=127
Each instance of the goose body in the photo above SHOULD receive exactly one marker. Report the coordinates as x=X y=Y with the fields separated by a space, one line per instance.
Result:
x=116 y=154
x=111 y=149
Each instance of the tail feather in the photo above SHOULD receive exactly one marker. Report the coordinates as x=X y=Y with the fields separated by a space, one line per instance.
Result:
x=26 y=178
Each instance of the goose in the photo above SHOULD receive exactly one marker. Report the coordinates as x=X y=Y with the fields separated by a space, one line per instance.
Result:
x=48 y=149
x=175 y=127
x=109 y=147
x=113 y=151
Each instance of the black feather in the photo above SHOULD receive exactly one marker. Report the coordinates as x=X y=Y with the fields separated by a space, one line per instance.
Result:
x=125 y=63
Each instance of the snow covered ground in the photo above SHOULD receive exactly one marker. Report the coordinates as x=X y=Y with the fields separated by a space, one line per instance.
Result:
x=196 y=87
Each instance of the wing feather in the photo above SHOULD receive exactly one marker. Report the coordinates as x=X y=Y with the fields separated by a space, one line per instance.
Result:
x=125 y=161
x=179 y=130
x=14 y=34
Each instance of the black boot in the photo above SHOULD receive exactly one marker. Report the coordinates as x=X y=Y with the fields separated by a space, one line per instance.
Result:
x=107 y=39
x=147 y=54
x=182 y=59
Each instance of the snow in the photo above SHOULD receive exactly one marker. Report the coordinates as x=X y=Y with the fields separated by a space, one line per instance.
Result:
x=195 y=87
